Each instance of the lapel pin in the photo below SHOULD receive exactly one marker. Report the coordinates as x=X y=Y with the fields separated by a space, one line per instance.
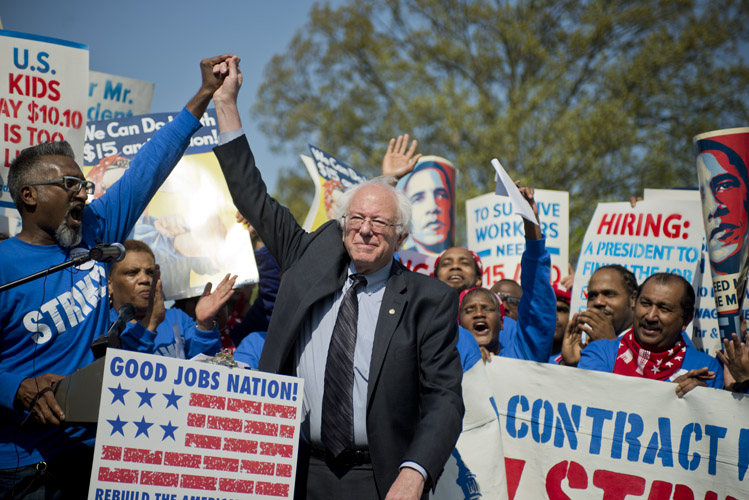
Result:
x=392 y=311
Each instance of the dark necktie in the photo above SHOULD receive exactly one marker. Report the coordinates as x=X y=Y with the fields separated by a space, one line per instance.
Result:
x=337 y=401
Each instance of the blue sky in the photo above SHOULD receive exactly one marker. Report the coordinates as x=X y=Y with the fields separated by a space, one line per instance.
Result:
x=162 y=41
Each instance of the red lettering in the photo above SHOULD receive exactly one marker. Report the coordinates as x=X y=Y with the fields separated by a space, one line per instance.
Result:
x=606 y=224
x=13 y=84
x=576 y=477
x=617 y=486
x=671 y=226
x=513 y=471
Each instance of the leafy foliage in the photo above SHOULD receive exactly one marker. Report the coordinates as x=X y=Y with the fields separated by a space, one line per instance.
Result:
x=598 y=97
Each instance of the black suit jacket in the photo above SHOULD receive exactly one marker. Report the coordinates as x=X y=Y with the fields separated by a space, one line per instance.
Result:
x=414 y=402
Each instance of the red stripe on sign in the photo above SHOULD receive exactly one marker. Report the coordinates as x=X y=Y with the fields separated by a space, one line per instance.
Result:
x=195 y=420
x=283 y=470
x=201 y=441
x=286 y=431
x=275 y=410
x=225 y=423
x=111 y=453
x=275 y=449
x=272 y=489
x=235 y=485
x=182 y=460
x=244 y=406
x=242 y=445
x=253 y=467
x=264 y=428
x=118 y=475
x=152 y=478
x=222 y=464
x=197 y=482
x=143 y=456
x=207 y=401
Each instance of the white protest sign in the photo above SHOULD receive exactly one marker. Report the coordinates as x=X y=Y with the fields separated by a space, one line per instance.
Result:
x=498 y=236
x=569 y=433
x=194 y=430
x=42 y=96
x=652 y=237
x=111 y=96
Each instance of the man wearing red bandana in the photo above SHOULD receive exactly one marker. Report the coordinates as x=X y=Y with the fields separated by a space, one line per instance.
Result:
x=654 y=347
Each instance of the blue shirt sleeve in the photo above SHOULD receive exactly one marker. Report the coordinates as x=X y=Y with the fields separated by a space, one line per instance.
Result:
x=537 y=312
x=468 y=348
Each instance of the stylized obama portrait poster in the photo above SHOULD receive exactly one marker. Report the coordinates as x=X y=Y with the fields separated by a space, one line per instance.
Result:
x=431 y=189
x=722 y=158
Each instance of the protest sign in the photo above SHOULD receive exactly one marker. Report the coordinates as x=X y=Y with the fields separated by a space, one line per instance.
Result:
x=331 y=178
x=431 y=189
x=498 y=237
x=111 y=96
x=652 y=237
x=42 y=96
x=417 y=262
x=722 y=158
x=190 y=223
x=173 y=429
x=567 y=434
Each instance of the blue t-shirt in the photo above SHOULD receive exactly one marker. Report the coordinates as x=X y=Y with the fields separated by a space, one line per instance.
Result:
x=47 y=325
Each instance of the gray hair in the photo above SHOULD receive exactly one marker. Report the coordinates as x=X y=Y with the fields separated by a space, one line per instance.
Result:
x=24 y=169
x=403 y=204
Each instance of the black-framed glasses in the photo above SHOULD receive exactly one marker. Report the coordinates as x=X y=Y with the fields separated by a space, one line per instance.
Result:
x=355 y=222
x=509 y=299
x=69 y=183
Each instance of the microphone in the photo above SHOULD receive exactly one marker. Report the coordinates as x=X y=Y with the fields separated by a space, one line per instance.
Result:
x=107 y=252
x=112 y=337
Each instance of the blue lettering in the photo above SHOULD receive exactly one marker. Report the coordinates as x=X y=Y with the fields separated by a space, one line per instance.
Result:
x=567 y=423
x=548 y=422
x=512 y=405
x=599 y=417
x=684 y=461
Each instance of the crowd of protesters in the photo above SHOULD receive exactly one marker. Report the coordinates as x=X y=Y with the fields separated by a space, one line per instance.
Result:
x=628 y=328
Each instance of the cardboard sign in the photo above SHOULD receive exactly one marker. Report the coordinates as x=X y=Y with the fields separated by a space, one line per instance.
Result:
x=177 y=429
x=498 y=236
x=43 y=85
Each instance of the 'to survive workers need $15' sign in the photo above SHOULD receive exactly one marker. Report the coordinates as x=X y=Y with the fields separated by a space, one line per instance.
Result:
x=174 y=429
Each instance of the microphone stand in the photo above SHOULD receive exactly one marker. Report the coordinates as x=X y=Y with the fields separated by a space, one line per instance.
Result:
x=59 y=267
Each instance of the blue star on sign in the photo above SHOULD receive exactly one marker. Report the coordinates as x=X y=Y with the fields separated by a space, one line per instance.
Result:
x=118 y=393
x=169 y=430
x=171 y=399
x=142 y=427
x=117 y=426
x=145 y=397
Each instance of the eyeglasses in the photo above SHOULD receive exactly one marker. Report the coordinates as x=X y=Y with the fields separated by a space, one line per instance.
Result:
x=69 y=183
x=508 y=299
x=355 y=222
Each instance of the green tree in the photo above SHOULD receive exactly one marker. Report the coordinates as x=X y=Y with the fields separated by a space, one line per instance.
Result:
x=599 y=97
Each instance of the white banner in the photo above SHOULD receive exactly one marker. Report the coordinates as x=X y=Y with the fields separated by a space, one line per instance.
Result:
x=194 y=430
x=569 y=435
x=42 y=96
x=111 y=97
x=498 y=237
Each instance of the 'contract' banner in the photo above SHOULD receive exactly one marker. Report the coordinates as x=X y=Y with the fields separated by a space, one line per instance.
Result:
x=568 y=434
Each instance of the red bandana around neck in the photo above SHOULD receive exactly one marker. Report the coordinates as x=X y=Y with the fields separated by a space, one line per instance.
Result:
x=635 y=361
